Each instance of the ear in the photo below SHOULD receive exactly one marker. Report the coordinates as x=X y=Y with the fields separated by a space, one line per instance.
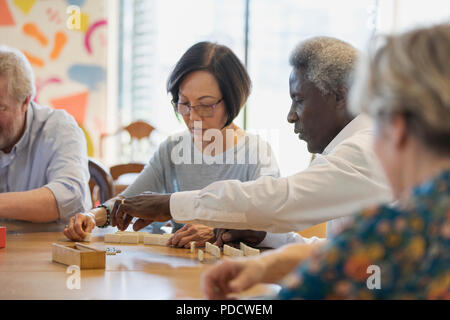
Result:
x=341 y=97
x=399 y=131
x=25 y=104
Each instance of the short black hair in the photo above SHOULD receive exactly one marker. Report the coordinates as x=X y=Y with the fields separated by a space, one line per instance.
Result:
x=231 y=75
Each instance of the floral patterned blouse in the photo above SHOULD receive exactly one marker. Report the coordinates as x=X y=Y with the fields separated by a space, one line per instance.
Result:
x=386 y=253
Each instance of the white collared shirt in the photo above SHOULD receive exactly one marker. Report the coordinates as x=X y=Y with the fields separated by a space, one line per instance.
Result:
x=345 y=178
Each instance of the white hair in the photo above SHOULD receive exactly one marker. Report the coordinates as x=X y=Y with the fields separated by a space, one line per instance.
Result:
x=409 y=75
x=327 y=62
x=16 y=68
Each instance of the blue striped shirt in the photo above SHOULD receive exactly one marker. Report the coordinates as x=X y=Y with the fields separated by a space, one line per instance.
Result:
x=52 y=153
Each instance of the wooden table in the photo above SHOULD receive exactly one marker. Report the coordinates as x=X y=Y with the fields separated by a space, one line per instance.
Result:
x=138 y=272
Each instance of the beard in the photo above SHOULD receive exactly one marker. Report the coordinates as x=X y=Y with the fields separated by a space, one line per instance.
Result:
x=3 y=140
x=10 y=136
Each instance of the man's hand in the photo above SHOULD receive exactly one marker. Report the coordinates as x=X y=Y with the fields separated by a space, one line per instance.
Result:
x=234 y=237
x=192 y=232
x=232 y=276
x=139 y=224
x=79 y=225
x=148 y=207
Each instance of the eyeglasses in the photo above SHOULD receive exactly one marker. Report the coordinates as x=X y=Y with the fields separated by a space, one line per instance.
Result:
x=203 y=110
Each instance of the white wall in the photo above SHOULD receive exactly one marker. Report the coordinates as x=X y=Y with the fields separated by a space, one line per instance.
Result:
x=401 y=15
x=276 y=28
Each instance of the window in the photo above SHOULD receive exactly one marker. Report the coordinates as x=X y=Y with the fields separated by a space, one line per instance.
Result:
x=275 y=29
x=155 y=33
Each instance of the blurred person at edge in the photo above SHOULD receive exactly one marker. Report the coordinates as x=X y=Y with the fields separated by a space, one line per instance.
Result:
x=387 y=252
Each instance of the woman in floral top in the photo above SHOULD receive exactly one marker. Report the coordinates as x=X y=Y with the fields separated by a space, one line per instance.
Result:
x=411 y=248
x=388 y=252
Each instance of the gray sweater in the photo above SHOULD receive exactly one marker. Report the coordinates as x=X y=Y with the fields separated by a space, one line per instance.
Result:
x=167 y=172
x=178 y=166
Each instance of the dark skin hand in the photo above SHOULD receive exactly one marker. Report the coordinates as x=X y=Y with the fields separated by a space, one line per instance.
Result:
x=148 y=207
x=233 y=238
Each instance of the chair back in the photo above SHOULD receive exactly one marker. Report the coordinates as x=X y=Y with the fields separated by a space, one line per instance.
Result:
x=134 y=139
x=139 y=129
x=120 y=169
x=100 y=183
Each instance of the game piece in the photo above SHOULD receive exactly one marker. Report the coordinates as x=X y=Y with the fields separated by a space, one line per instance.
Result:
x=249 y=251
x=113 y=238
x=88 y=237
x=226 y=250
x=132 y=237
x=200 y=255
x=157 y=239
x=129 y=238
x=2 y=237
x=214 y=250
x=232 y=252
x=192 y=246
x=237 y=252
x=112 y=251
x=252 y=252
x=141 y=236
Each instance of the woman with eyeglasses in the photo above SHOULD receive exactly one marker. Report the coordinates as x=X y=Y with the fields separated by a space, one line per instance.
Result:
x=209 y=86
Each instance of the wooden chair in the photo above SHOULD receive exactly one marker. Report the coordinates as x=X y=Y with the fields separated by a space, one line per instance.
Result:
x=100 y=183
x=121 y=169
x=137 y=130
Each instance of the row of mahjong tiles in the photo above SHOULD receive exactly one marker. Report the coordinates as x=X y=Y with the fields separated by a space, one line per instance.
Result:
x=128 y=237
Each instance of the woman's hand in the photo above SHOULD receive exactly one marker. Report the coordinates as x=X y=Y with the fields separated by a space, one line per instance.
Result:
x=79 y=225
x=192 y=232
x=146 y=206
x=232 y=276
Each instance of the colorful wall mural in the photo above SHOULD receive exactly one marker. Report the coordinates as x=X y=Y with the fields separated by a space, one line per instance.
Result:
x=66 y=44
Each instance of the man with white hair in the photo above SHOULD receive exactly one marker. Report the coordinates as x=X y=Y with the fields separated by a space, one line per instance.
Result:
x=343 y=177
x=43 y=156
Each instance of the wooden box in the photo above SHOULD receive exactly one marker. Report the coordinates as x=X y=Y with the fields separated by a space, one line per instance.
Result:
x=81 y=255
x=2 y=237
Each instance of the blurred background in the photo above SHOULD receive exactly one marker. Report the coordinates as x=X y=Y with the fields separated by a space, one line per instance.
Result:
x=107 y=61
